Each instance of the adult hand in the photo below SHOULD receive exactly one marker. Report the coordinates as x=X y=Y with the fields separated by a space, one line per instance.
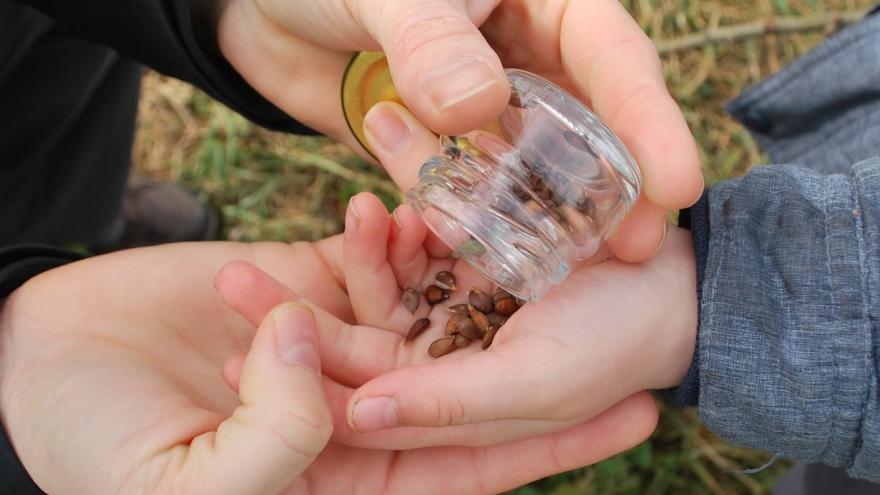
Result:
x=608 y=331
x=115 y=377
x=450 y=76
x=295 y=52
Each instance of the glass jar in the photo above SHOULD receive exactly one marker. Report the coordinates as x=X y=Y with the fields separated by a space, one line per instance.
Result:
x=525 y=198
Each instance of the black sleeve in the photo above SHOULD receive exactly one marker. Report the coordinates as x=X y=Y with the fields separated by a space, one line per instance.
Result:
x=163 y=35
x=18 y=264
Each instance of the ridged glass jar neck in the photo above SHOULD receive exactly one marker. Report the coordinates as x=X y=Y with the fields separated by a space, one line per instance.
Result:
x=523 y=203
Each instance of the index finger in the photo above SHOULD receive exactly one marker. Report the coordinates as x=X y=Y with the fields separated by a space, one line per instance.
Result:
x=612 y=61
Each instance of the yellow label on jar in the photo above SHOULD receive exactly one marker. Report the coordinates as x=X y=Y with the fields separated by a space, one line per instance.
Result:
x=367 y=81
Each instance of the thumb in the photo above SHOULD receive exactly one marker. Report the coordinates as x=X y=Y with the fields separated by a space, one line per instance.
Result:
x=442 y=66
x=283 y=422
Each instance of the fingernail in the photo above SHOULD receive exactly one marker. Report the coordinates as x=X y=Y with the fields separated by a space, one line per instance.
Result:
x=665 y=228
x=352 y=218
x=374 y=414
x=295 y=336
x=452 y=84
x=396 y=218
x=387 y=129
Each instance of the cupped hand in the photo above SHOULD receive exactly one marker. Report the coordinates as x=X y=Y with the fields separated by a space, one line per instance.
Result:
x=115 y=376
x=610 y=330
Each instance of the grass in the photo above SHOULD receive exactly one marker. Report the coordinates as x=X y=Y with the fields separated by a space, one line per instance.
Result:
x=270 y=186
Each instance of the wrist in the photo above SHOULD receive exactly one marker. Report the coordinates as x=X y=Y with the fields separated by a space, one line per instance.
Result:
x=680 y=313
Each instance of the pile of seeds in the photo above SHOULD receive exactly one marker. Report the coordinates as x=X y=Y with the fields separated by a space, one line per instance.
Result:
x=479 y=319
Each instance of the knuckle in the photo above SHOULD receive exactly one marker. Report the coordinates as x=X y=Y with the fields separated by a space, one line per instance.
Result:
x=419 y=26
x=556 y=455
x=642 y=95
x=450 y=411
x=300 y=432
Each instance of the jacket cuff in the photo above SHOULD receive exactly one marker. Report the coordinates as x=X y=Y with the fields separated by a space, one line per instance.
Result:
x=205 y=19
x=695 y=219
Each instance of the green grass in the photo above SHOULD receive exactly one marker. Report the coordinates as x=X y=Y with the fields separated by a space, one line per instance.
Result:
x=277 y=187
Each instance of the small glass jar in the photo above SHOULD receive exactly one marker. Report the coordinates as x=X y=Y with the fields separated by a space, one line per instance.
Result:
x=525 y=198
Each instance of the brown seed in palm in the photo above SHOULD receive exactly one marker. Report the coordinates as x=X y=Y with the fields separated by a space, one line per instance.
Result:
x=506 y=306
x=451 y=326
x=467 y=327
x=442 y=347
x=410 y=299
x=462 y=341
x=480 y=319
x=445 y=280
x=417 y=328
x=489 y=336
x=480 y=300
x=500 y=294
x=434 y=294
x=460 y=309
x=496 y=319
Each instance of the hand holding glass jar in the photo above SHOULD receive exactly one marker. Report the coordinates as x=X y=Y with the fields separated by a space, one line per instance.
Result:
x=447 y=57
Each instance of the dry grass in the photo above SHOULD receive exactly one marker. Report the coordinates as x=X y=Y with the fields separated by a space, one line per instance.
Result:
x=272 y=186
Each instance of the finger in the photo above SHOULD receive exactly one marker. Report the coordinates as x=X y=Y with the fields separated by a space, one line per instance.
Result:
x=330 y=250
x=503 y=467
x=405 y=438
x=486 y=386
x=406 y=252
x=399 y=141
x=616 y=65
x=284 y=421
x=249 y=291
x=352 y=355
x=274 y=61
x=443 y=68
x=372 y=285
x=640 y=234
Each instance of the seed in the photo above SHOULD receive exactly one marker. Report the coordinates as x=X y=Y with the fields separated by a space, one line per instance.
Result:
x=496 y=320
x=500 y=294
x=442 y=347
x=480 y=320
x=468 y=328
x=533 y=207
x=480 y=300
x=435 y=294
x=417 y=328
x=515 y=101
x=410 y=299
x=462 y=324
x=506 y=306
x=461 y=341
x=451 y=326
x=578 y=141
x=489 y=336
x=445 y=280
x=460 y=309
